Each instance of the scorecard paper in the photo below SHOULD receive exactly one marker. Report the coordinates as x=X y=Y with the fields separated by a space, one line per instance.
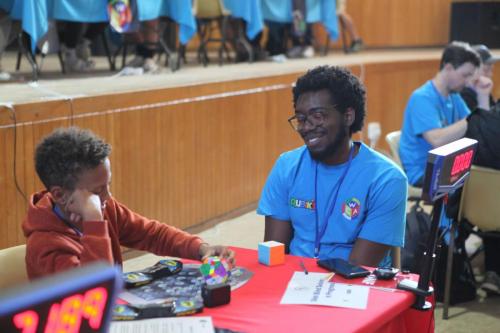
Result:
x=315 y=289
x=164 y=325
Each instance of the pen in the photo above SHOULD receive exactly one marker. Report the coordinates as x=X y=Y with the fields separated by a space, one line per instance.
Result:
x=303 y=267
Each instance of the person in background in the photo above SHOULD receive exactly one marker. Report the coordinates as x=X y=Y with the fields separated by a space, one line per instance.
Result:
x=484 y=126
x=301 y=32
x=147 y=39
x=76 y=39
x=333 y=197
x=478 y=92
x=6 y=37
x=348 y=23
x=76 y=220
x=435 y=113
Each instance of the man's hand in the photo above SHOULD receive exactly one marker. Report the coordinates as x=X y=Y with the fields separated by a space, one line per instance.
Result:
x=483 y=86
x=83 y=205
x=217 y=250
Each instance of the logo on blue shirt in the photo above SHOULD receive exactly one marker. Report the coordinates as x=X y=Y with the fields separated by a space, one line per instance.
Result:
x=351 y=208
x=298 y=203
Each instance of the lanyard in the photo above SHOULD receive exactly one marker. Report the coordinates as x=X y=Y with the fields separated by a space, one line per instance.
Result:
x=321 y=233
x=443 y=108
x=59 y=214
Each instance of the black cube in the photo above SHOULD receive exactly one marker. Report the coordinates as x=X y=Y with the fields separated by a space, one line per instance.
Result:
x=216 y=294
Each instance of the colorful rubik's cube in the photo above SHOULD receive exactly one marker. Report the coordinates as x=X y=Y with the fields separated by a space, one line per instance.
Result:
x=271 y=253
x=214 y=270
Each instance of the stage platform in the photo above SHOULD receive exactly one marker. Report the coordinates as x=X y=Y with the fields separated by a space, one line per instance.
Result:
x=55 y=85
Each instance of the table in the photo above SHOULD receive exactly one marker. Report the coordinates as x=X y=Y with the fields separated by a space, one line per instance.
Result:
x=35 y=14
x=255 y=306
x=323 y=11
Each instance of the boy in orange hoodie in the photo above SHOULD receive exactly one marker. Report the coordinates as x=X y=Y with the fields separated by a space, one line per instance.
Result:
x=76 y=220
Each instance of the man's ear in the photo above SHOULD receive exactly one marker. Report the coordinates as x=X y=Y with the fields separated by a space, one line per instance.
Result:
x=58 y=194
x=349 y=117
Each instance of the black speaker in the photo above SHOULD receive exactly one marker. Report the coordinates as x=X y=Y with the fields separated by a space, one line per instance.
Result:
x=476 y=22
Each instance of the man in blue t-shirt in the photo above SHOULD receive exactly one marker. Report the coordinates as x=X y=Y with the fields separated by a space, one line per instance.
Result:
x=334 y=198
x=436 y=114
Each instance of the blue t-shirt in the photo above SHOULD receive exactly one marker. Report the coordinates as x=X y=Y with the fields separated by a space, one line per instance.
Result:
x=426 y=110
x=371 y=202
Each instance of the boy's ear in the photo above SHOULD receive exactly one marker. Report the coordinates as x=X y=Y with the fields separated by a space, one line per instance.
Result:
x=58 y=195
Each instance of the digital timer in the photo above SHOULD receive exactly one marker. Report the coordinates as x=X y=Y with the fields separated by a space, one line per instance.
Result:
x=447 y=168
x=77 y=301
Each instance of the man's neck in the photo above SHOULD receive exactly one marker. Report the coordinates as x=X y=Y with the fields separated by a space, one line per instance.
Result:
x=439 y=82
x=342 y=154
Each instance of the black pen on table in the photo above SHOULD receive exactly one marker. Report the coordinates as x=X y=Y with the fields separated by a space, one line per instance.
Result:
x=303 y=267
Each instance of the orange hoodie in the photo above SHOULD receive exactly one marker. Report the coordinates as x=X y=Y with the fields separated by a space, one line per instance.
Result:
x=54 y=246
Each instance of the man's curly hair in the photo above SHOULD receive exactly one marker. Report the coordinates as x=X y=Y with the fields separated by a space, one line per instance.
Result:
x=65 y=153
x=345 y=90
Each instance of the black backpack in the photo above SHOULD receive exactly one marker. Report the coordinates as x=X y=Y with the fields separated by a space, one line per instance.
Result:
x=418 y=225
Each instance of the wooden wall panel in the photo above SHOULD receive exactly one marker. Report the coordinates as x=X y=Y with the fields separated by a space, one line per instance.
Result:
x=188 y=162
x=398 y=23
x=389 y=86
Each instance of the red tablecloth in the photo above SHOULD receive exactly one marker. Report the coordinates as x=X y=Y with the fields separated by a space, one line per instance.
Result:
x=255 y=307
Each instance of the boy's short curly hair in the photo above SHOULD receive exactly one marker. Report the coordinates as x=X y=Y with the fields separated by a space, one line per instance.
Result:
x=345 y=90
x=65 y=153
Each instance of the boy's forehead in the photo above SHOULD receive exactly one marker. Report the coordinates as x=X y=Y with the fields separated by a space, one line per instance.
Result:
x=97 y=175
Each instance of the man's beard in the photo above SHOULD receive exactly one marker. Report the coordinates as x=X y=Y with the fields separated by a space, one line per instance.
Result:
x=332 y=149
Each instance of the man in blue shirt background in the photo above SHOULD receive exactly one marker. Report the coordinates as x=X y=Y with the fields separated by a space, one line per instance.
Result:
x=334 y=198
x=436 y=114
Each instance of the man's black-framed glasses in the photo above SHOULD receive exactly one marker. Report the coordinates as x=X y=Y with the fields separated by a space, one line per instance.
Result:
x=315 y=118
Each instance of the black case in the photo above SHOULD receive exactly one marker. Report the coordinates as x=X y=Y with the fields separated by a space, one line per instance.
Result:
x=342 y=267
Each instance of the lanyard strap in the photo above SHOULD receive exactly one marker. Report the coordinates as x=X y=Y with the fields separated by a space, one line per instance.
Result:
x=443 y=107
x=321 y=233
x=60 y=215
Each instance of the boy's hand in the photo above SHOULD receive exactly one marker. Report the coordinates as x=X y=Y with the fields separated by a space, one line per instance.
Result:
x=83 y=205
x=217 y=250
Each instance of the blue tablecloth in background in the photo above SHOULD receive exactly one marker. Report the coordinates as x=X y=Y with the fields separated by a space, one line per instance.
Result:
x=179 y=10
x=250 y=11
x=323 y=11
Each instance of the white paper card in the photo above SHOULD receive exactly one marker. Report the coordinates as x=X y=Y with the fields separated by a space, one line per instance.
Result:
x=314 y=289
x=164 y=325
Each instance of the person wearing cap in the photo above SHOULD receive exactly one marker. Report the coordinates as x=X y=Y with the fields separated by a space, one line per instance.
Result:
x=436 y=114
x=484 y=126
x=478 y=92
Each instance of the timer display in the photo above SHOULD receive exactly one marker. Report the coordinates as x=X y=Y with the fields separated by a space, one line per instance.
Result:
x=447 y=168
x=63 y=303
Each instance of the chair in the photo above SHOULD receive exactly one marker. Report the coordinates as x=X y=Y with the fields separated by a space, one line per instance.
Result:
x=478 y=205
x=13 y=266
x=208 y=13
x=414 y=193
